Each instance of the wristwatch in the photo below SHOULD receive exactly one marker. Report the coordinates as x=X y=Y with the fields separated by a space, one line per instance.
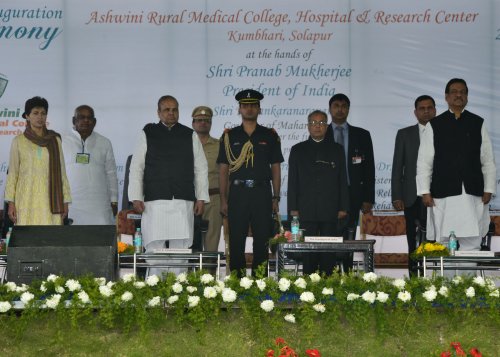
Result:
x=277 y=198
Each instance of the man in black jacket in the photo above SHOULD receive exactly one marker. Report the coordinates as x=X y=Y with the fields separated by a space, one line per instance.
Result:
x=317 y=189
x=456 y=172
x=360 y=164
x=168 y=180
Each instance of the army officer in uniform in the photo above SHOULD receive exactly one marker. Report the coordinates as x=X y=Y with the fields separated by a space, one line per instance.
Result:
x=249 y=180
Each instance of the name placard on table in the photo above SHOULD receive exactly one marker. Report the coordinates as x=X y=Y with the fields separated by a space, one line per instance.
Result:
x=474 y=253
x=313 y=239
x=172 y=251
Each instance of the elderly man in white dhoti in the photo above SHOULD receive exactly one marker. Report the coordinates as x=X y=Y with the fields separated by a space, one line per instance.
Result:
x=456 y=172
x=168 y=181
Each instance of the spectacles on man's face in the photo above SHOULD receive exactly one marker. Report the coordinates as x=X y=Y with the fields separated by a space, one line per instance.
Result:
x=208 y=121
x=315 y=123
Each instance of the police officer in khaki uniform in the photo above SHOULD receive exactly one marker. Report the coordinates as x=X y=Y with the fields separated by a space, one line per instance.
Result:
x=202 y=123
x=249 y=180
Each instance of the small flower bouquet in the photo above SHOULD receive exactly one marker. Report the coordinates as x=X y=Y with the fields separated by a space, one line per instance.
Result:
x=281 y=237
x=124 y=248
x=430 y=249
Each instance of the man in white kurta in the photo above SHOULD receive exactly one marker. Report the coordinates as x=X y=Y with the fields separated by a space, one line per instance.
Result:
x=464 y=213
x=91 y=171
x=172 y=217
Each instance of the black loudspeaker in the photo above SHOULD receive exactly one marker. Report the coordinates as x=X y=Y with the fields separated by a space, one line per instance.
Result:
x=36 y=251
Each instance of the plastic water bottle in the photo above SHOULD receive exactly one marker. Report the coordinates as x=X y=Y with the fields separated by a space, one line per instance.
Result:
x=295 y=229
x=7 y=238
x=452 y=243
x=138 y=241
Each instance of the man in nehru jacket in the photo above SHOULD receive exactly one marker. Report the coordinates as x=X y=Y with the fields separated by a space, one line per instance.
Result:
x=404 y=172
x=202 y=123
x=168 y=180
x=250 y=178
x=91 y=170
x=360 y=164
x=456 y=172
x=317 y=189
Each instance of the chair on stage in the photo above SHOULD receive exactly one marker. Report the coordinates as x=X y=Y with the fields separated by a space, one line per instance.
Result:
x=126 y=223
x=382 y=225
x=486 y=241
x=385 y=226
x=199 y=233
x=421 y=235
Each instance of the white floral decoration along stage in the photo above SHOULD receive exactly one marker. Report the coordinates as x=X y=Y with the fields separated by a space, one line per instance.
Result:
x=198 y=296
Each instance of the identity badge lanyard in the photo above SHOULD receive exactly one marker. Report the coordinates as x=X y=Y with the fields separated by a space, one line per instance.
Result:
x=82 y=157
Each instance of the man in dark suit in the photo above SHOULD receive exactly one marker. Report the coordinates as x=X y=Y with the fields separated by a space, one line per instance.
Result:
x=317 y=189
x=404 y=172
x=358 y=150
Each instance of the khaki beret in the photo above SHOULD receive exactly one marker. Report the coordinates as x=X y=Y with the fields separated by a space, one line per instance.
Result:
x=202 y=112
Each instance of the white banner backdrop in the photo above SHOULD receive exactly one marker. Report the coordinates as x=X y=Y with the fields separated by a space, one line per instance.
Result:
x=121 y=56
